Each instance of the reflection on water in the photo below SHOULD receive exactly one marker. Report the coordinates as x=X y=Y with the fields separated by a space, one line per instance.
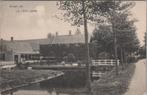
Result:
x=36 y=89
x=31 y=92
x=72 y=83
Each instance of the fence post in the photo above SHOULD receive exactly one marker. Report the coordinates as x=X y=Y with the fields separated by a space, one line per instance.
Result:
x=117 y=62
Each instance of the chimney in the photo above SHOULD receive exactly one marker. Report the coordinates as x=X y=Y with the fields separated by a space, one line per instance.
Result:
x=70 y=32
x=12 y=39
x=78 y=32
x=56 y=33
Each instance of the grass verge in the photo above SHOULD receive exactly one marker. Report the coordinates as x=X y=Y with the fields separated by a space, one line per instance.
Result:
x=112 y=84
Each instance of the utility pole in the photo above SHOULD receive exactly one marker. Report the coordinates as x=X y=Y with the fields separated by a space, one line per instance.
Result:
x=86 y=49
x=115 y=50
x=115 y=45
x=115 y=40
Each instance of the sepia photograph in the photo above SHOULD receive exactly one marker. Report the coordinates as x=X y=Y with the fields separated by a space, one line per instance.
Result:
x=73 y=47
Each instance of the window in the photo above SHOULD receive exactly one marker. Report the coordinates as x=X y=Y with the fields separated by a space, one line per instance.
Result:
x=2 y=56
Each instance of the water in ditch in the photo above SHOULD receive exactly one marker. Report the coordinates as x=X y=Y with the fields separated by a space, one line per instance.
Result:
x=69 y=84
x=36 y=89
x=47 y=89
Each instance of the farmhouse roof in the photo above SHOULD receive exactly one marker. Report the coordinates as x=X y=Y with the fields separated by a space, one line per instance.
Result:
x=69 y=39
x=33 y=45
x=19 y=47
x=25 y=46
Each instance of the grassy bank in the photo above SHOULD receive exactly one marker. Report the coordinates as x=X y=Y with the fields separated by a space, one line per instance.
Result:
x=111 y=84
x=17 y=78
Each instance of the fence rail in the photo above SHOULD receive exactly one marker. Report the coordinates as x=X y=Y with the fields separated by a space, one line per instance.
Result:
x=7 y=64
x=105 y=62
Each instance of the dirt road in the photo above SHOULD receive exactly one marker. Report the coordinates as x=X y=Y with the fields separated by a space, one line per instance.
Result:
x=137 y=85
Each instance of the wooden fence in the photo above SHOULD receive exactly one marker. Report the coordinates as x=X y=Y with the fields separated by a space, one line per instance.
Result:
x=7 y=64
x=105 y=62
x=106 y=65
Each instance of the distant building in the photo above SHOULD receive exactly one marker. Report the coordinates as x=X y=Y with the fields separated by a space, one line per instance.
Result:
x=57 y=46
x=18 y=50
x=65 y=45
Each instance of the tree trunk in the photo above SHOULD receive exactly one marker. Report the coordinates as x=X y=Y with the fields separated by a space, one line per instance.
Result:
x=122 y=59
x=87 y=49
x=125 y=58
x=11 y=93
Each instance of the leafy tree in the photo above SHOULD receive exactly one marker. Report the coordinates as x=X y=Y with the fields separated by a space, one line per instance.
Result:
x=103 y=37
x=127 y=41
x=74 y=11
x=94 y=11
x=125 y=30
x=104 y=12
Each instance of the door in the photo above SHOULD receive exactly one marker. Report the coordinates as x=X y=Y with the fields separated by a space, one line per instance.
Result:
x=16 y=59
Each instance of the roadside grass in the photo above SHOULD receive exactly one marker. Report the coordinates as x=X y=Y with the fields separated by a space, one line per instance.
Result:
x=112 y=84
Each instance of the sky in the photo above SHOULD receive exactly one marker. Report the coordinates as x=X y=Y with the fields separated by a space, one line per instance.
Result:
x=35 y=19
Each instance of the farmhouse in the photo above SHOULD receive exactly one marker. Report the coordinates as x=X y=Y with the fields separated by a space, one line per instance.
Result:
x=18 y=50
x=58 y=46
x=64 y=45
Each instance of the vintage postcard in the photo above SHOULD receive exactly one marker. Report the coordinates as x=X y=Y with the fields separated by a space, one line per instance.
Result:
x=73 y=47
